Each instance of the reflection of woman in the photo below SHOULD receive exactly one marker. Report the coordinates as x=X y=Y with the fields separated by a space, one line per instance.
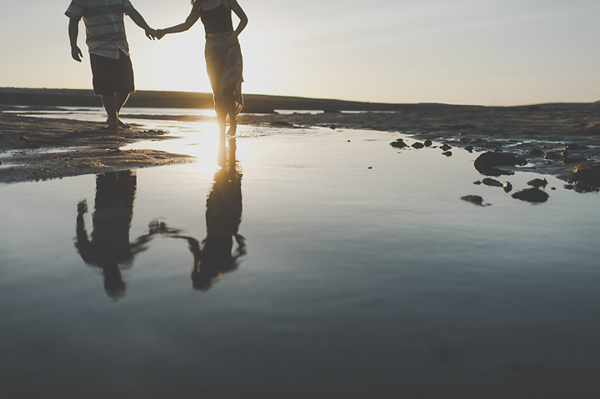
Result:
x=215 y=255
x=109 y=247
x=222 y=53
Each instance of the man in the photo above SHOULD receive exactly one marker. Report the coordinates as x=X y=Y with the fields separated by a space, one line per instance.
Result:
x=109 y=52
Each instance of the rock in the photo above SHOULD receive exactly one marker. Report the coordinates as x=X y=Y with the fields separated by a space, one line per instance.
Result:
x=552 y=155
x=474 y=199
x=586 y=177
x=447 y=153
x=399 y=143
x=445 y=147
x=531 y=195
x=281 y=124
x=478 y=182
x=537 y=183
x=487 y=163
x=575 y=147
x=536 y=152
x=570 y=159
x=491 y=182
x=418 y=145
x=469 y=148
x=584 y=187
x=428 y=143
x=507 y=187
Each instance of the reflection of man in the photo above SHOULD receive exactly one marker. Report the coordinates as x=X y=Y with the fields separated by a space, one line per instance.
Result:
x=109 y=51
x=109 y=246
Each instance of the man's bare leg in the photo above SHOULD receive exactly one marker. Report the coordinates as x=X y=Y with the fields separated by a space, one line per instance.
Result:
x=110 y=106
x=120 y=100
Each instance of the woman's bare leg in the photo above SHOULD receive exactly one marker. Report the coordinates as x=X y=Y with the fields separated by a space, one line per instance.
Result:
x=232 y=125
x=222 y=120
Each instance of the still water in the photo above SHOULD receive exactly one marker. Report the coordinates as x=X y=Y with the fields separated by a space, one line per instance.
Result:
x=296 y=263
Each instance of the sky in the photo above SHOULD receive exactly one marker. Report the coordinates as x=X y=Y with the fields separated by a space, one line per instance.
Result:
x=484 y=52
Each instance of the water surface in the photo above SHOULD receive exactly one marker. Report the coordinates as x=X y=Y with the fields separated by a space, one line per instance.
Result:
x=310 y=263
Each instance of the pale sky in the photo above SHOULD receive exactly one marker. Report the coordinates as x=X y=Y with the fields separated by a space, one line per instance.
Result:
x=487 y=52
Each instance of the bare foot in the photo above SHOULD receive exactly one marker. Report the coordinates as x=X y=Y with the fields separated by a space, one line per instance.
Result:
x=119 y=124
x=123 y=125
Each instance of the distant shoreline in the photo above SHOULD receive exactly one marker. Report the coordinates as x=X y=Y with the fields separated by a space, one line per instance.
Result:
x=254 y=103
x=552 y=137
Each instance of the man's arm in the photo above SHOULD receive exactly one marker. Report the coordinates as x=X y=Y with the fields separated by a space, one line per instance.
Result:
x=73 y=33
x=139 y=21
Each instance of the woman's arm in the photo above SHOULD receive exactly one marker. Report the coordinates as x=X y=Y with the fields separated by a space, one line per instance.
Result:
x=189 y=22
x=235 y=7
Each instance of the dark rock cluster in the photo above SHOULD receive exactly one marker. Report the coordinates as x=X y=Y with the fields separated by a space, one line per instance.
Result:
x=494 y=162
x=586 y=177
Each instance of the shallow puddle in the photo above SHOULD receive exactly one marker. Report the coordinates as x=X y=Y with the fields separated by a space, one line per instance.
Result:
x=306 y=263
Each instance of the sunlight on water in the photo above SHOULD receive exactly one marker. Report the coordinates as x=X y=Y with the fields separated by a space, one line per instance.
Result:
x=297 y=263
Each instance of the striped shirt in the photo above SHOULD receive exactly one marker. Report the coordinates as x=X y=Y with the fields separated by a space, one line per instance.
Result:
x=104 y=25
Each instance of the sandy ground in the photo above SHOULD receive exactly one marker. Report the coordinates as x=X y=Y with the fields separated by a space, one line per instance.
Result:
x=38 y=149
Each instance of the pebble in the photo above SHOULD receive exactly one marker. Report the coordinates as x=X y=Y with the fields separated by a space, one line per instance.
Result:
x=491 y=182
x=531 y=195
x=474 y=199
x=538 y=183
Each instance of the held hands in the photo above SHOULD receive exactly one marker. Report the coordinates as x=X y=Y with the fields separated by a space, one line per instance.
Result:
x=150 y=33
x=155 y=33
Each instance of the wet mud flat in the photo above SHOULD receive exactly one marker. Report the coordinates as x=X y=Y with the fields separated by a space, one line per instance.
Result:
x=40 y=149
x=548 y=138
x=557 y=139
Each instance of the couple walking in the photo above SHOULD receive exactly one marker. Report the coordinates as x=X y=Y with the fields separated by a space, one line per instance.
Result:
x=109 y=52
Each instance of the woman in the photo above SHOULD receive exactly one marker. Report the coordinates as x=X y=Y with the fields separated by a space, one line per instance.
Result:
x=222 y=53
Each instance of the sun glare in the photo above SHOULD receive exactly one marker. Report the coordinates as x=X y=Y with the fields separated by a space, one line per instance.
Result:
x=175 y=63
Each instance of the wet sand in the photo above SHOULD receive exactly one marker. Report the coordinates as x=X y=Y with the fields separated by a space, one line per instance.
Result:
x=539 y=132
x=34 y=149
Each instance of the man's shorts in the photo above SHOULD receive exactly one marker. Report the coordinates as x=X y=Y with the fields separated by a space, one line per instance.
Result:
x=112 y=76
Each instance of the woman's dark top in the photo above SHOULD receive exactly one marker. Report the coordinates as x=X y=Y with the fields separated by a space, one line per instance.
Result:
x=217 y=20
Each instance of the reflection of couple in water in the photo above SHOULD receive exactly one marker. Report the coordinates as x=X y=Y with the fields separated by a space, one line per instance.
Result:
x=110 y=248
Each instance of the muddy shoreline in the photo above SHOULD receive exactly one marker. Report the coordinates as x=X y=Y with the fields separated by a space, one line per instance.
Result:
x=33 y=148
